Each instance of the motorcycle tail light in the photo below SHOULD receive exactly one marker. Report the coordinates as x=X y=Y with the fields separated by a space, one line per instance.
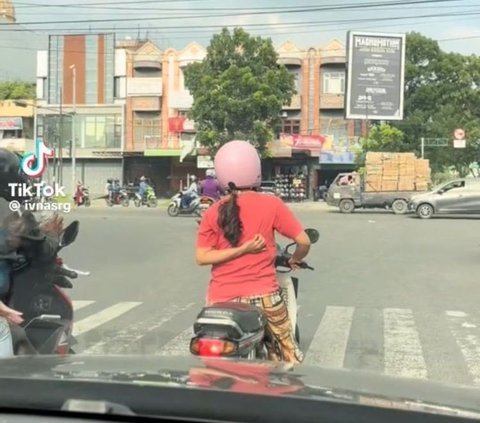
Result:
x=205 y=347
x=63 y=347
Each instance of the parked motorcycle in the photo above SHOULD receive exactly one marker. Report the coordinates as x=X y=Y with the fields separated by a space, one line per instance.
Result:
x=38 y=292
x=197 y=206
x=149 y=198
x=237 y=330
x=119 y=197
x=82 y=196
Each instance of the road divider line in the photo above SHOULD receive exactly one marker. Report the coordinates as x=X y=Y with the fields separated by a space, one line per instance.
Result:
x=95 y=320
x=78 y=304
x=128 y=338
x=403 y=352
x=329 y=344
x=178 y=346
x=465 y=333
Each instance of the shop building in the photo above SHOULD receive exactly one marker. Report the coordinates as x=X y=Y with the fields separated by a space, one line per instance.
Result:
x=16 y=125
x=76 y=99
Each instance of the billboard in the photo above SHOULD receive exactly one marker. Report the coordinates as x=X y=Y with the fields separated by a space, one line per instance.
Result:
x=375 y=76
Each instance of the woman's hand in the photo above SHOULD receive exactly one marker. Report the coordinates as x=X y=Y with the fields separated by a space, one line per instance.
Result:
x=10 y=314
x=255 y=245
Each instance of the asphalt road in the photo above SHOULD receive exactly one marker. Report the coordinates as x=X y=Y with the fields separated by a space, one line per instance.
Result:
x=390 y=294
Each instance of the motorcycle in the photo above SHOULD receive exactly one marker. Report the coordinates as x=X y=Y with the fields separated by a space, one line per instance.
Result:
x=82 y=197
x=38 y=292
x=237 y=330
x=118 y=197
x=148 y=199
x=197 y=206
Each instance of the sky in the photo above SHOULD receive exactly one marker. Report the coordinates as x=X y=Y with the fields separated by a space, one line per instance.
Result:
x=175 y=23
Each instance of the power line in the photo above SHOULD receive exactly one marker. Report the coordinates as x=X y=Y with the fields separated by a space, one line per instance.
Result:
x=268 y=25
x=256 y=13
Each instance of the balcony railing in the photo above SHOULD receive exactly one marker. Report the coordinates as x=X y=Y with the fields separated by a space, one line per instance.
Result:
x=144 y=87
x=332 y=101
x=180 y=99
x=296 y=102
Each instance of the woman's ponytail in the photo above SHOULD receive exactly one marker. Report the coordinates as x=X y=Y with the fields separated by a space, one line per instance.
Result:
x=229 y=217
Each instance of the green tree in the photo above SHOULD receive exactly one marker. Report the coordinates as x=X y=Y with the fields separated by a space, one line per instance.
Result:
x=238 y=90
x=381 y=138
x=441 y=94
x=17 y=90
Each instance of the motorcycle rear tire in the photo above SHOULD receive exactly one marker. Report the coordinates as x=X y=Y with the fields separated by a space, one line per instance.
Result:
x=109 y=203
x=125 y=202
x=153 y=202
x=137 y=202
x=173 y=210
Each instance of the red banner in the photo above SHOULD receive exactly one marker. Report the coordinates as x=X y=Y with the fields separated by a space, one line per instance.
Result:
x=175 y=124
x=308 y=142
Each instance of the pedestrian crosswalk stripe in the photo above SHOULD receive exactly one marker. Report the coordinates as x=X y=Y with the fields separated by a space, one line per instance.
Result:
x=129 y=336
x=97 y=319
x=77 y=305
x=329 y=344
x=178 y=346
x=402 y=348
x=464 y=331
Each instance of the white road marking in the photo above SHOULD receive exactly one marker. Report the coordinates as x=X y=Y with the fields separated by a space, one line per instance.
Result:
x=178 y=346
x=402 y=348
x=97 y=319
x=329 y=344
x=77 y=305
x=466 y=336
x=133 y=333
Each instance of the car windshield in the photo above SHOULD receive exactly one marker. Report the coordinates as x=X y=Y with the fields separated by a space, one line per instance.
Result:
x=193 y=140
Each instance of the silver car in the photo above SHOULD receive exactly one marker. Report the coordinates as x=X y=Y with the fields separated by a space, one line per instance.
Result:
x=461 y=196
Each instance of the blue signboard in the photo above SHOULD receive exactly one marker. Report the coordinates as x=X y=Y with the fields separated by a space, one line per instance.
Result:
x=338 y=157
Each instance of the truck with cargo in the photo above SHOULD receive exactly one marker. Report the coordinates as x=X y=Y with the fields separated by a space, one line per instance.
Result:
x=389 y=180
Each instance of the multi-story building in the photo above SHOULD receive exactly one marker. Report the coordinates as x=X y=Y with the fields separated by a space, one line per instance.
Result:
x=132 y=107
x=76 y=83
x=16 y=125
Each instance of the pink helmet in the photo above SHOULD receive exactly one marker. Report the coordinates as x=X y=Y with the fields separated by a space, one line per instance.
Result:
x=238 y=162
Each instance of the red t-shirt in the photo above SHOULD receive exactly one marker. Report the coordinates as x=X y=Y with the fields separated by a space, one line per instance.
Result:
x=251 y=274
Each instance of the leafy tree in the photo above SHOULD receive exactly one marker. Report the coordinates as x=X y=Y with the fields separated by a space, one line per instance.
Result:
x=441 y=94
x=381 y=138
x=239 y=90
x=17 y=90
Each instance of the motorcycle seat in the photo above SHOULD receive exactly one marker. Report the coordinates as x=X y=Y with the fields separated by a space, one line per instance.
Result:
x=248 y=317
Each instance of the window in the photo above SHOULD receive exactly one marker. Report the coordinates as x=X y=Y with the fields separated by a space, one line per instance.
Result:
x=147 y=129
x=451 y=186
x=290 y=127
x=117 y=91
x=333 y=82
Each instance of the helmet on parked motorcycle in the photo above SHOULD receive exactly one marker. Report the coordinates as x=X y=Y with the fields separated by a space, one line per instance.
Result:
x=10 y=173
x=238 y=162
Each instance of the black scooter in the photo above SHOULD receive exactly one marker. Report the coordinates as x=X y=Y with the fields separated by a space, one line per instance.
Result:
x=38 y=292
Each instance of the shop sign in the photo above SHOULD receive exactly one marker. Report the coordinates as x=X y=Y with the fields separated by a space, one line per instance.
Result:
x=205 y=162
x=11 y=124
x=308 y=142
x=337 y=157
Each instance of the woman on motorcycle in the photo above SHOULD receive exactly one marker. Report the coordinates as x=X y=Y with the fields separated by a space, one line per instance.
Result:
x=210 y=186
x=237 y=237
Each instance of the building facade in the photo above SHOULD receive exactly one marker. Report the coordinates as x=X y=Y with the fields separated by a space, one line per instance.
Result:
x=132 y=107
x=76 y=100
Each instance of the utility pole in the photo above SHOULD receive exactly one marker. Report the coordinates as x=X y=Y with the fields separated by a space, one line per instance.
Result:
x=60 y=142
x=74 y=93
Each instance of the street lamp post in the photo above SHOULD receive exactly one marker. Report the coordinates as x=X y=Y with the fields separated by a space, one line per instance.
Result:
x=74 y=152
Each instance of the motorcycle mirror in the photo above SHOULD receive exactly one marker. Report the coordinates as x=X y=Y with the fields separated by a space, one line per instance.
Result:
x=70 y=233
x=313 y=234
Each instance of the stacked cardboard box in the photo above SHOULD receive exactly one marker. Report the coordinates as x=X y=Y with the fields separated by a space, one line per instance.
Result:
x=374 y=168
x=396 y=172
